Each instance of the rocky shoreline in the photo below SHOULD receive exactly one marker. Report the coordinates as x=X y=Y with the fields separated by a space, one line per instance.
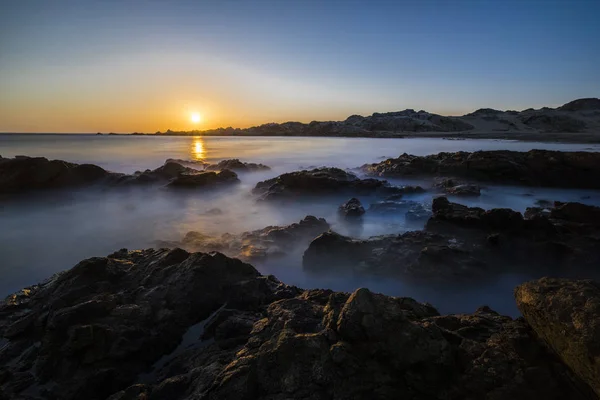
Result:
x=113 y=327
x=188 y=321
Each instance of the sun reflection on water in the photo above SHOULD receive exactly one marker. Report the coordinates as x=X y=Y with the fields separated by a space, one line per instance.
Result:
x=198 y=148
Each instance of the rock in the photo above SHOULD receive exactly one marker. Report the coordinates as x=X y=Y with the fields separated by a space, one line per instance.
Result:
x=497 y=218
x=553 y=123
x=576 y=212
x=457 y=188
x=532 y=168
x=320 y=181
x=237 y=165
x=195 y=164
x=90 y=331
x=203 y=179
x=261 y=244
x=21 y=174
x=351 y=209
x=261 y=339
x=564 y=314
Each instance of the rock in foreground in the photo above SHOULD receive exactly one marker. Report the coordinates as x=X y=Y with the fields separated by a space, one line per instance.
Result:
x=237 y=165
x=566 y=315
x=112 y=327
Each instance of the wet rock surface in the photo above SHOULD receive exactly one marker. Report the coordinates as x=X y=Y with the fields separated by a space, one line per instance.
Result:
x=320 y=181
x=113 y=327
x=203 y=179
x=269 y=242
x=468 y=244
x=237 y=165
x=534 y=168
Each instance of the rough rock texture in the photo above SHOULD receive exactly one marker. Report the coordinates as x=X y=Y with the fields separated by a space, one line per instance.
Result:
x=533 y=168
x=113 y=327
x=468 y=244
x=268 y=242
x=321 y=181
x=203 y=179
x=90 y=331
x=22 y=174
x=457 y=188
x=565 y=315
x=237 y=165
x=351 y=209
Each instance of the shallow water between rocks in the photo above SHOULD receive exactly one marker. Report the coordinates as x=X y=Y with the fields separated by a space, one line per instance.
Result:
x=41 y=235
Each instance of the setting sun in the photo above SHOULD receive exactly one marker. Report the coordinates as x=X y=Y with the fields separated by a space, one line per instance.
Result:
x=195 y=117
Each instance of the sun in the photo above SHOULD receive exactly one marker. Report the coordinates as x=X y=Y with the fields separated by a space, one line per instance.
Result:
x=195 y=117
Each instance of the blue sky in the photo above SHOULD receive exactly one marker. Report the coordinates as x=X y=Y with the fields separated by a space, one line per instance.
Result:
x=145 y=65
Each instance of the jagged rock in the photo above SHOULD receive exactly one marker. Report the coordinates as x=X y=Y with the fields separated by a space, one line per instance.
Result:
x=576 y=212
x=565 y=314
x=534 y=168
x=271 y=241
x=90 y=331
x=351 y=209
x=237 y=165
x=202 y=179
x=322 y=181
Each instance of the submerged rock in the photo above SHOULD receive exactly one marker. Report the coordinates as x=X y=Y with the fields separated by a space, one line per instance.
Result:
x=320 y=181
x=534 y=168
x=351 y=209
x=457 y=188
x=237 y=165
x=113 y=328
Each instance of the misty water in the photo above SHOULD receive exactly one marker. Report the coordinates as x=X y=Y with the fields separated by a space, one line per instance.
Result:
x=43 y=234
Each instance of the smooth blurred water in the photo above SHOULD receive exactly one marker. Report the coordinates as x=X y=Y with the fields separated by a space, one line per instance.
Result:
x=41 y=235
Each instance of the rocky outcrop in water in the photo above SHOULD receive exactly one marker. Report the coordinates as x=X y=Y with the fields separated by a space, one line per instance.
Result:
x=351 y=209
x=237 y=165
x=158 y=324
x=21 y=174
x=533 y=168
x=469 y=244
x=258 y=245
x=203 y=179
x=322 y=181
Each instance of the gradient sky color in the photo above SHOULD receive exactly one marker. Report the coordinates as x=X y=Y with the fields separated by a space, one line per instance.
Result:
x=124 y=66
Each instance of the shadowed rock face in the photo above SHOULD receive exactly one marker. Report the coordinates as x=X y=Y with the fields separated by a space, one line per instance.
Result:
x=321 y=181
x=565 y=315
x=98 y=331
x=351 y=209
x=203 y=179
x=534 y=168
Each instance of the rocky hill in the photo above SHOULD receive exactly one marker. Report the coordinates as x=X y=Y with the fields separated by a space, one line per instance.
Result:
x=578 y=116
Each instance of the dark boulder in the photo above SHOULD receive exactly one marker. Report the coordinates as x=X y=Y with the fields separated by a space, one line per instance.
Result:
x=351 y=209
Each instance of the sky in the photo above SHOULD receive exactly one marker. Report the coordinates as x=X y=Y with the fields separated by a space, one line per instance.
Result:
x=137 y=65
